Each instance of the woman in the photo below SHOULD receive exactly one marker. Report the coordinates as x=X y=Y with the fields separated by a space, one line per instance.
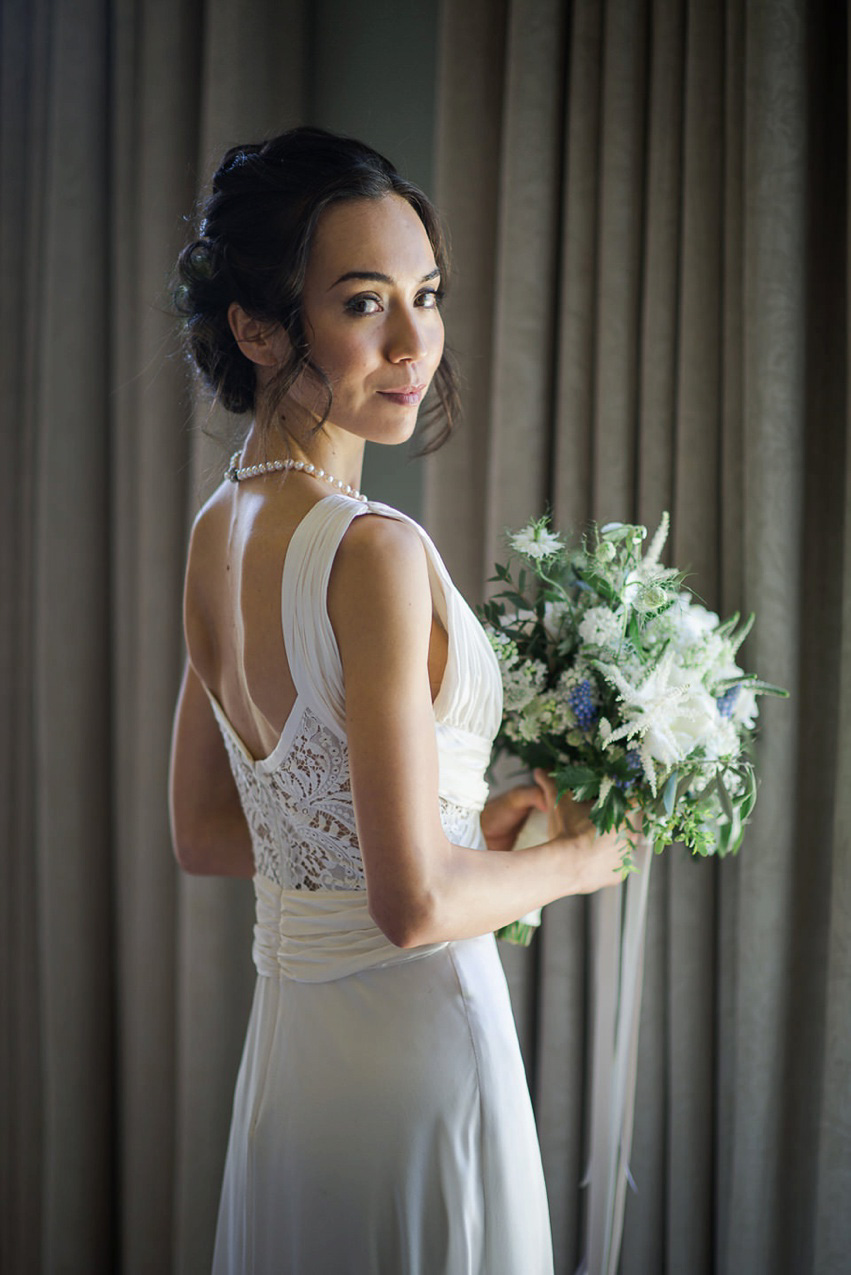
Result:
x=331 y=738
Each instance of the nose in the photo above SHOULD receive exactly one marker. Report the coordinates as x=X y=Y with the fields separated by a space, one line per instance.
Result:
x=408 y=337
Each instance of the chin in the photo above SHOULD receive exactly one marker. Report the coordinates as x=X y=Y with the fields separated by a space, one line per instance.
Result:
x=392 y=438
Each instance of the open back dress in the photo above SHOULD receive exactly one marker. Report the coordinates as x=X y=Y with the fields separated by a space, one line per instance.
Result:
x=381 y=1121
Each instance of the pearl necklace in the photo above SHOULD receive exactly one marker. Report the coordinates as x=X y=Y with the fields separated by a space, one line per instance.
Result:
x=236 y=475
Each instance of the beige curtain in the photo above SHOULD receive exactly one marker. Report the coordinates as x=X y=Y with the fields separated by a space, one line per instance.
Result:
x=125 y=987
x=648 y=207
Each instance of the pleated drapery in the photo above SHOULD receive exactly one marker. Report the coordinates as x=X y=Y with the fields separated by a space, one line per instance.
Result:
x=647 y=204
x=125 y=985
x=648 y=208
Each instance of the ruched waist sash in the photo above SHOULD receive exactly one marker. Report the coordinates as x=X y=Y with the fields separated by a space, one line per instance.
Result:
x=315 y=936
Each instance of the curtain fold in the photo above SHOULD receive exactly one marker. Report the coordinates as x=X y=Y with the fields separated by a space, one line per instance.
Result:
x=126 y=988
x=647 y=205
x=685 y=348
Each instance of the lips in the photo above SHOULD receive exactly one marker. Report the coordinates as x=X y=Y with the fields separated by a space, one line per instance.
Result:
x=408 y=395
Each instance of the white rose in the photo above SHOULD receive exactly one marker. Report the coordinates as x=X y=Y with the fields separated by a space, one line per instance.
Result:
x=677 y=728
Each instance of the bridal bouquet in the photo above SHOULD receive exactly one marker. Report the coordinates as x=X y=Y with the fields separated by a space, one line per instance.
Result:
x=625 y=688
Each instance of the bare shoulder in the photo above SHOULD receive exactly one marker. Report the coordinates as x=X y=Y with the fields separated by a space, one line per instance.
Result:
x=380 y=570
x=375 y=543
x=202 y=585
x=206 y=531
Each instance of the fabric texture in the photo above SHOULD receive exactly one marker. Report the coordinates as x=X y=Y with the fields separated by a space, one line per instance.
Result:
x=648 y=212
x=382 y=1122
x=648 y=206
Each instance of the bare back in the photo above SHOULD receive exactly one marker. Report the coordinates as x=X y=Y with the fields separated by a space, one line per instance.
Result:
x=232 y=606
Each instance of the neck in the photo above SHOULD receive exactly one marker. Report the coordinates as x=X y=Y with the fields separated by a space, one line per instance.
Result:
x=331 y=448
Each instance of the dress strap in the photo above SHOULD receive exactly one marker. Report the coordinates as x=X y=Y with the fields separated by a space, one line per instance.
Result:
x=309 y=639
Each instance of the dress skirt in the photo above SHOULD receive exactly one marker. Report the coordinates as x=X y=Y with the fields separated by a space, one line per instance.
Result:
x=382 y=1126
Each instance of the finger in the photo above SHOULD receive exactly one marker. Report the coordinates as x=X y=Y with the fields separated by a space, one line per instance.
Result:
x=546 y=786
x=531 y=797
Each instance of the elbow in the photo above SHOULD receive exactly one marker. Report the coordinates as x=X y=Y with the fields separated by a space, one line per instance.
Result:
x=189 y=854
x=408 y=922
x=191 y=847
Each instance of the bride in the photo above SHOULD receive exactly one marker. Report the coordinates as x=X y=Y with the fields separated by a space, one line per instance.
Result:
x=331 y=736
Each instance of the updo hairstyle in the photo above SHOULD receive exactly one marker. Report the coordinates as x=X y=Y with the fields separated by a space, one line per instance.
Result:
x=254 y=237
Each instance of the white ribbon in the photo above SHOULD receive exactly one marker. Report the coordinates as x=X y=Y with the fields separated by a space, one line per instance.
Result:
x=619 y=923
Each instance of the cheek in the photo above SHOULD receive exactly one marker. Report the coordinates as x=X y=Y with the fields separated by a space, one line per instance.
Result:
x=347 y=353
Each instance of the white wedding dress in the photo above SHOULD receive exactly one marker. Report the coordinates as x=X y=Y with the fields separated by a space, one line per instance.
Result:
x=381 y=1122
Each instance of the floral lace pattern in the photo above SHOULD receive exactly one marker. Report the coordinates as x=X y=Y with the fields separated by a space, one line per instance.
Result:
x=460 y=823
x=301 y=816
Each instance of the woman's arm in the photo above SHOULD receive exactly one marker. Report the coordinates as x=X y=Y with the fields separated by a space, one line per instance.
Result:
x=208 y=828
x=421 y=887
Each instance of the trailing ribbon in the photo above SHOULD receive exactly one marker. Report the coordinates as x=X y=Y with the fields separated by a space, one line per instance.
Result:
x=619 y=922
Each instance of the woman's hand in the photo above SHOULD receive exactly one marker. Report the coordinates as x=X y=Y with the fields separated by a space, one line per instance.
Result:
x=596 y=859
x=504 y=816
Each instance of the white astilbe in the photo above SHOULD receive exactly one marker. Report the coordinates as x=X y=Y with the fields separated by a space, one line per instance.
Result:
x=664 y=721
x=657 y=544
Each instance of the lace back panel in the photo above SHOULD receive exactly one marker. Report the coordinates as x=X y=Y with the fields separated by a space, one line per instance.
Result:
x=298 y=800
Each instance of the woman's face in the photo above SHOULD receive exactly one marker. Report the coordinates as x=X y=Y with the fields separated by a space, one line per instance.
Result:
x=379 y=333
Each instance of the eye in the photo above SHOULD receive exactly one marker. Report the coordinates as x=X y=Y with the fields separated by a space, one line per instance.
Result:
x=354 y=306
x=434 y=295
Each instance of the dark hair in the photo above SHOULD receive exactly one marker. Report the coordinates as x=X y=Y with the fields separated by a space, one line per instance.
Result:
x=253 y=244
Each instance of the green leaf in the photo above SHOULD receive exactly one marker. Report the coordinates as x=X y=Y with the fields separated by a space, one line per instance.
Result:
x=726 y=803
x=766 y=688
x=706 y=792
x=749 y=798
x=569 y=776
x=743 y=632
x=725 y=628
x=669 y=794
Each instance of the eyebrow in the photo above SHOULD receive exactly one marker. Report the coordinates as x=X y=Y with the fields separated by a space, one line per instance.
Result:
x=382 y=278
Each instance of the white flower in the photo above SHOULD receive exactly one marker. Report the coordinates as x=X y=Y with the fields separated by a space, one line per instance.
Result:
x=670 y=721
x=545 y=714
x=554 y=614
x=689 y=622
x=644 y=588
x=522 y=684
x=606 y=786
x=535 y=541
x=657 y=544
x=691 y=723
x=745 y=709
x=504 y=647
x=601 y=627
x=723 y=741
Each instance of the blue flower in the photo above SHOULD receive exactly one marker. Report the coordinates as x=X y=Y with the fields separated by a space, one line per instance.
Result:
x=580 y=701
x=727 y=702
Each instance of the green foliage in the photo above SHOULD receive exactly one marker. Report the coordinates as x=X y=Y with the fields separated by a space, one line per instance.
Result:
x=606 y=616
